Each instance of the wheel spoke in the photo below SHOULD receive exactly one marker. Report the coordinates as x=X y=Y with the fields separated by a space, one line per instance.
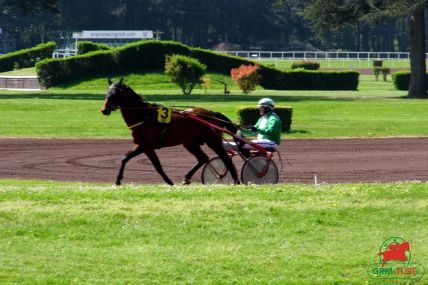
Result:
x=215 y=172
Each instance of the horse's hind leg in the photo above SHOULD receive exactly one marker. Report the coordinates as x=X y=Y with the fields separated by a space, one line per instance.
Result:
x=151 y=154
x=195 y=149
x=216 y=145
x=131 y=154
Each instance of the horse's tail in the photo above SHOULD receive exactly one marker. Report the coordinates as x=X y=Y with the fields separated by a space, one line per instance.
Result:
x=226 y=122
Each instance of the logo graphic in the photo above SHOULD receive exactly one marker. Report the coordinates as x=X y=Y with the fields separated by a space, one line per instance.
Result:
x=394 y=262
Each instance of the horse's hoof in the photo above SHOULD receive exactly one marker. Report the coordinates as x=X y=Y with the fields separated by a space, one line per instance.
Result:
x=117 y=183
x=186 y=182
x=237 y=182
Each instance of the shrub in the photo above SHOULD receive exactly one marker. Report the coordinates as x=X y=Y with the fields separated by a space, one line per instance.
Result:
x=307 y=65
x=206 y=81
x=185 y=72
x=377 y=63
x=246 y=76
x=250 y=115
x=401 y=80
x=85 y=47
x=26 y=57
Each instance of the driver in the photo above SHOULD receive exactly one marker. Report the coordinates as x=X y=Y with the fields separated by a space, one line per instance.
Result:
x=268 y=129
x=268 y=126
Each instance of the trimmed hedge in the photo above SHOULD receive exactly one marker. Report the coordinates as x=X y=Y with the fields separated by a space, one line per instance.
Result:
x=250 y=116
x=147 y=55
x=150 y=55
x=219 y=63
x=26 y=57
x=401 y=80
x=307 y=65
x=86 y=46
x=317 y=80
x=54 y=72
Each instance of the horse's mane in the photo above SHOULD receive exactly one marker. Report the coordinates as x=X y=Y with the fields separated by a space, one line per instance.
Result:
x=135 y=96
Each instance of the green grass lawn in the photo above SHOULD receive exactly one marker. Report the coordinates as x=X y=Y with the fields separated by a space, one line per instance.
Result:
x=20 y=72
x=149 y=82
x=54 y=233
x=376 y=110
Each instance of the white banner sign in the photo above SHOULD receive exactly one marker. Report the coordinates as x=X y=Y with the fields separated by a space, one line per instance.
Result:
x=114 y=35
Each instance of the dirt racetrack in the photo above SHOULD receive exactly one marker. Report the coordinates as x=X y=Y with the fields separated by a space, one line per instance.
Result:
x=331 y=160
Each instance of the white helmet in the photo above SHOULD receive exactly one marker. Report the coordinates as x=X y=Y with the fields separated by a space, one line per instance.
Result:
x=267 y=103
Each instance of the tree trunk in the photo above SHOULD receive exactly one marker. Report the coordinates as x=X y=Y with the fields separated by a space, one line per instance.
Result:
x=417 y=88
x=365 y=37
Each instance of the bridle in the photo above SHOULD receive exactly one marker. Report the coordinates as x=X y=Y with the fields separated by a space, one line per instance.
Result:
x=110 y=107
x=113 y=107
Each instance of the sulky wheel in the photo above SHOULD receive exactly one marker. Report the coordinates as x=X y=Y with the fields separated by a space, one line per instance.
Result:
x=259 y=170
x=215 y=172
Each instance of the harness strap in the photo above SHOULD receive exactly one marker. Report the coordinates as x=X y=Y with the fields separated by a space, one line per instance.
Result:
x=135 y=125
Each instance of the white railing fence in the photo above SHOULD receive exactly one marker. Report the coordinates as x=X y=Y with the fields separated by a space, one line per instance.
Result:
x=63 y=53
x=293 y=55
x=320 y=55
x=362 y=59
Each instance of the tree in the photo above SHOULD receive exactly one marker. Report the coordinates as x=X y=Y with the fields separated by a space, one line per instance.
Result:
x=29 y=21
x=252 y=24
x=30 y=6
x=336 y=14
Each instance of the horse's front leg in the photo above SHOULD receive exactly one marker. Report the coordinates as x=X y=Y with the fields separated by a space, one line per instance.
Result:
x=131 y=154
x=195 y=149
x=151 y=154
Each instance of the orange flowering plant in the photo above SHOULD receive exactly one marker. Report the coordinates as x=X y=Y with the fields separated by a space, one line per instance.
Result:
x=246 y=76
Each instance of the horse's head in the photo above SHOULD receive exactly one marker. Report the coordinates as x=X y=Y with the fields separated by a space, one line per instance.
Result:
x=113 y=100
x=119 y=96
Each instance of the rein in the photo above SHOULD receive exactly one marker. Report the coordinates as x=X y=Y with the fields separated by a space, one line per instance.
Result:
x=135 y=125
x=210 y=117
x=176 y=111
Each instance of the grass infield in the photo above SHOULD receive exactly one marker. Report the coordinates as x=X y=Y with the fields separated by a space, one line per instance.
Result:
x=59 y=233
x=376 y=110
